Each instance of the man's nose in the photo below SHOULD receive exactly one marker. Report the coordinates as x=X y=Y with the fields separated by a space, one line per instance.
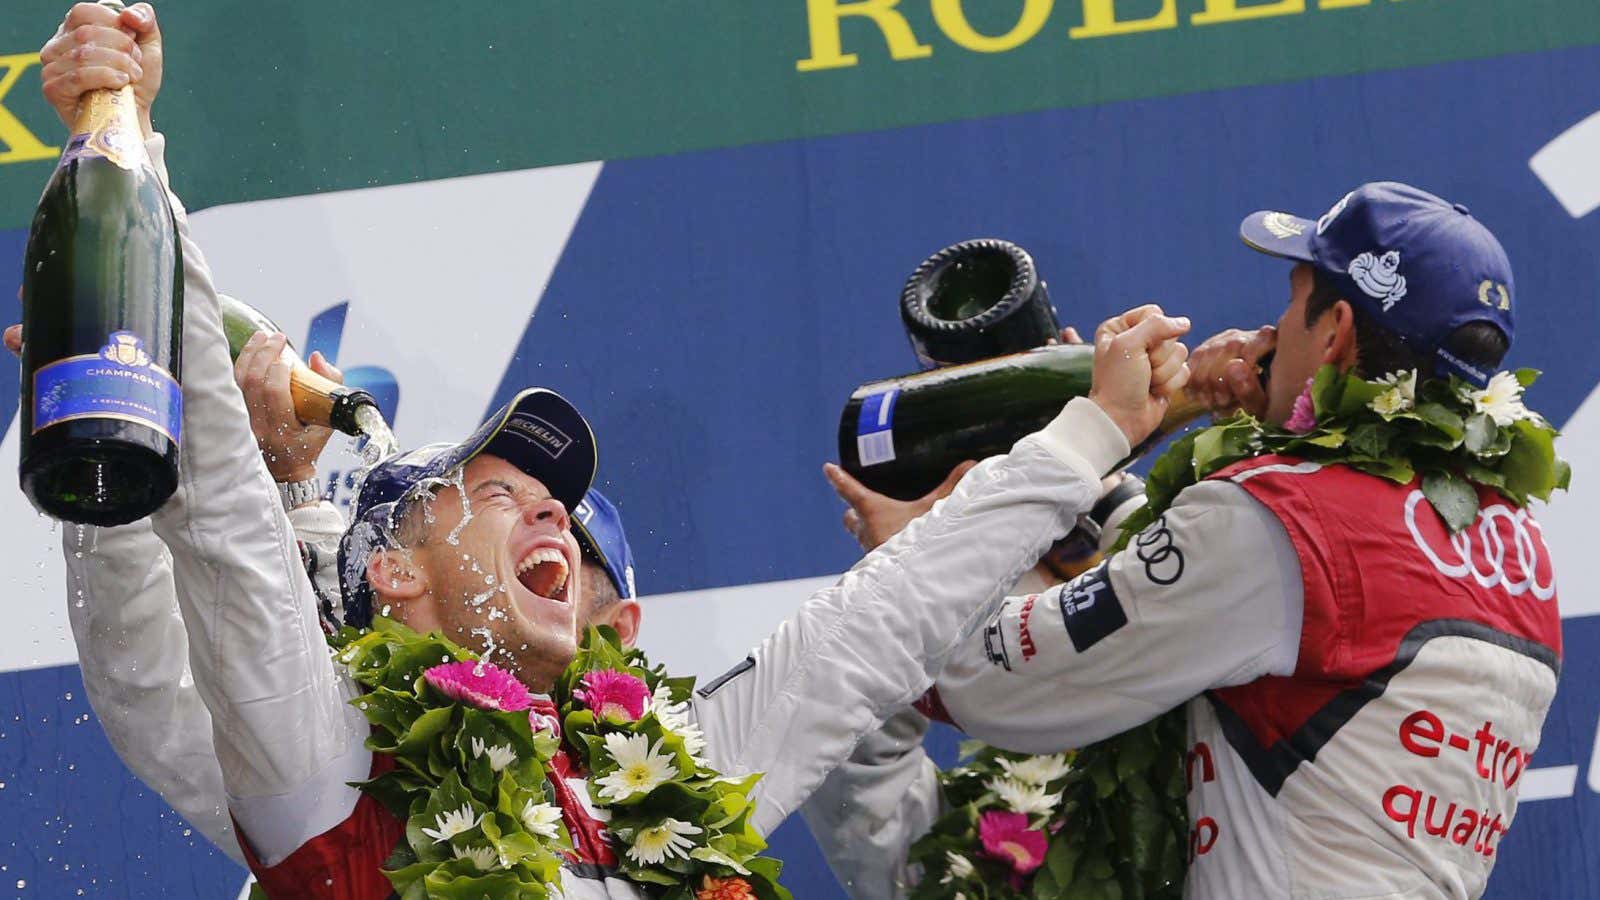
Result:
x=549 y=511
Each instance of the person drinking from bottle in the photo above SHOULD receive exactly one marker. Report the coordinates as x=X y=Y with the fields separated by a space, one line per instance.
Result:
x=1344 y=590
x=476 y=535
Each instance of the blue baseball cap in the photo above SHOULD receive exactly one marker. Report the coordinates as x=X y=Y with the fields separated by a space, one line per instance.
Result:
x=539 y=432
x=1419 y=266
x=598 y=528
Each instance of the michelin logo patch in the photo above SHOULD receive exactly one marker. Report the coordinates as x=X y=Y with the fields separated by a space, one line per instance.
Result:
x=1090 y=608
x=1379 y=277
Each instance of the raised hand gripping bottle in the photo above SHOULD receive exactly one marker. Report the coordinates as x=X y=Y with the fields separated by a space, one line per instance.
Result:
x=102 y=320
x=317 y=400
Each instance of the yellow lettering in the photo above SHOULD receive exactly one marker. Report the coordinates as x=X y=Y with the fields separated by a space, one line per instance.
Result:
x=1100 y=20
x=952 y=20
x=1340 y=4
x=1230 y=11
x=22 y=145
x=827 y=49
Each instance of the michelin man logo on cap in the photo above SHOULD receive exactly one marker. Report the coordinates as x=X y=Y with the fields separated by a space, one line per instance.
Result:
x=1379 y=277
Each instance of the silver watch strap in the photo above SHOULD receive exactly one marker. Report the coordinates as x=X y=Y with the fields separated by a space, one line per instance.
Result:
x=299 y=493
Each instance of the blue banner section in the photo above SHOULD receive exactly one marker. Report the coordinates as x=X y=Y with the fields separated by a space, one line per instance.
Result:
x=713 y=311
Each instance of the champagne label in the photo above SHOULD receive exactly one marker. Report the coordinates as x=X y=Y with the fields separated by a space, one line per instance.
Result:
x=107 y=128
x=875 y=429
x=119 y=382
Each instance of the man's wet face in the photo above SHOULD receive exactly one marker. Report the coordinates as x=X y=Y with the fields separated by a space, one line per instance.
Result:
x=503 y=571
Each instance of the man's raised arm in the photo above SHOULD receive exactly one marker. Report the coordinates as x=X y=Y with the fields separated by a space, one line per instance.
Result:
x=859 y=651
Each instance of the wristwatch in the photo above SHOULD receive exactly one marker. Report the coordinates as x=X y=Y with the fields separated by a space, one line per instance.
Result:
x=299 y=493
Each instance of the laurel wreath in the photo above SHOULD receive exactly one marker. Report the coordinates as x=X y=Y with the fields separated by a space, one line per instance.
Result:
x=441 y=770
x=1120 y=828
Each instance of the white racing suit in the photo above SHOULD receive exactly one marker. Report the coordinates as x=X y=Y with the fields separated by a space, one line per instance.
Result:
x=1367 y=690
x=286 y=740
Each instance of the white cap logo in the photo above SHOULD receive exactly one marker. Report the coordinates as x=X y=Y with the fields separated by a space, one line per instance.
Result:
x=1379 y=277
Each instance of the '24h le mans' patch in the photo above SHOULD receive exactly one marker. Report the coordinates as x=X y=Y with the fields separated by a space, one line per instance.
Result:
x=1090 y=608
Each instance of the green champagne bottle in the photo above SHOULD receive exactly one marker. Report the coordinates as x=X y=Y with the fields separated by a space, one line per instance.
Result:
x=902 y=436
x=103 y=326
x=976 y=300
x=317 y=400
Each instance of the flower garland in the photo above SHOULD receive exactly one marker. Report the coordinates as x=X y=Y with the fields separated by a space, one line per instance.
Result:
x=1114 y=822
x=472 y=775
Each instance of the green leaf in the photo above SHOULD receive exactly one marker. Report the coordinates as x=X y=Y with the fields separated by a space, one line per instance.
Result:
x=1526 y=377
x=1480 y=433
x=1368 y=439
x=1452 y=497
x=1062 y=860
x=1357 y=395
x=1442 y=419
x=1327 y=389
x=1221 y=445
x=1530 y=462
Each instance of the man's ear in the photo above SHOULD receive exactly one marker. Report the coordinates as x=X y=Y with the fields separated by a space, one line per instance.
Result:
x=1340 y=349
x=625 y=619
x=393 y=574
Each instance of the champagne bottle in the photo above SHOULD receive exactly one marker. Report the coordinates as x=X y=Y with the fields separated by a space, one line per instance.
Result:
x=902 y=436
x=102 y=317
x=317 y=400
x=976 y=300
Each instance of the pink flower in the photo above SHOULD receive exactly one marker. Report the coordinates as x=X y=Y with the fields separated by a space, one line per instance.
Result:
x=481 y=684
x=1303 y=417
x=614 y=696
x=1007 y=837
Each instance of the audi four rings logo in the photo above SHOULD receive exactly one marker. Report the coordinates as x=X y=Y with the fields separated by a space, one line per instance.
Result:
x=1500 y=549
x=1163 y=562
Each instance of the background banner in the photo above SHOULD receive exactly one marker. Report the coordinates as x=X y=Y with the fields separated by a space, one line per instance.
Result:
x=694 y=219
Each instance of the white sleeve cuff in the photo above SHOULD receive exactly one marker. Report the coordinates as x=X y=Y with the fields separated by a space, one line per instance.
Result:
x=156 y=147
x=1085 y=438
x=319 y=522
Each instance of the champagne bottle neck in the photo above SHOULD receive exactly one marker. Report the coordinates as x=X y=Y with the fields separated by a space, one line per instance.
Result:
x=108 y=125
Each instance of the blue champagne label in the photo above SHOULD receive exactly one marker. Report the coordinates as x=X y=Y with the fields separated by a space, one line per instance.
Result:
x=875 y=429
x=119 y=382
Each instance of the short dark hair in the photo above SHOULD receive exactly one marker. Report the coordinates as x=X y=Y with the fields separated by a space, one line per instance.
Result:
x=604 y=591
x=1380 y=351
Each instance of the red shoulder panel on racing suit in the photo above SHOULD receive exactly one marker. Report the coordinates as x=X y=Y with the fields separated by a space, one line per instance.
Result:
x=346 y=861
x=1390 y=762
x=343 y=863
x=1377 y=562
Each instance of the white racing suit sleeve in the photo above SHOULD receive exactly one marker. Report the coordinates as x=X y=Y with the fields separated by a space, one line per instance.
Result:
x=860 y=651
x=285 y=738
x=134 y=654
x=866 y=814
x=1208 y=596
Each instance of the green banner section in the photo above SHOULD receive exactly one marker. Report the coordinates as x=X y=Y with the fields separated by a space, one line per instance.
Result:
x=297 y=96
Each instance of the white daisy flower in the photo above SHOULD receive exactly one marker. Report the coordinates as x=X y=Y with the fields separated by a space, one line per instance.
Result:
x=653 y=846
x=499 y=757
x=960 y=867
x=1028 y=799
x=1040 y=770
x=1401 y=395
x=674 y=717
x=485 y=858
x=542 y=819
x=450 y=823
x=641 y=767
x=1501 y=400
